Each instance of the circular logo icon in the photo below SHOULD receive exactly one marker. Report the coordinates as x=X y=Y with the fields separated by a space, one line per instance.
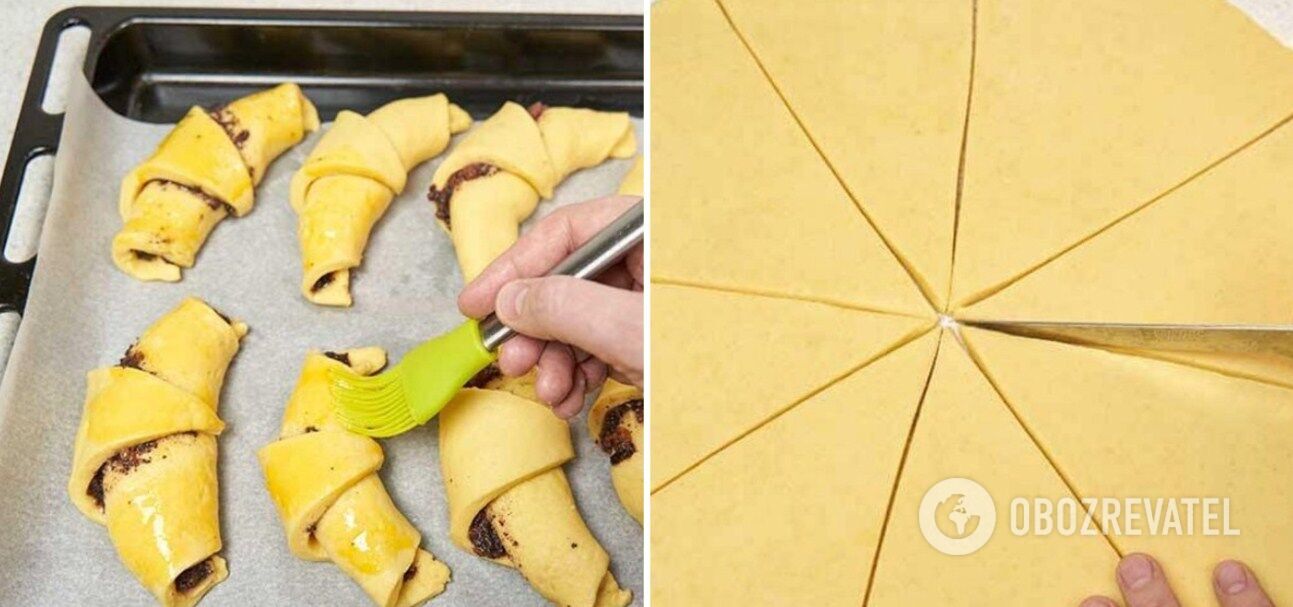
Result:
x=957 y=516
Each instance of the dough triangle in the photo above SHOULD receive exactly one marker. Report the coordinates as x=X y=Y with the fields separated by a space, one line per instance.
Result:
x=964 y=430
x=802 y=497
x=1083 y=111
x=723 y=363
x=1215 y=251
x=885 y=100
x=749 y=204
x=1127 y=427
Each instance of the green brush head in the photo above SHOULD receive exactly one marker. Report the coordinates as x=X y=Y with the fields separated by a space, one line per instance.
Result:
x=417 y=388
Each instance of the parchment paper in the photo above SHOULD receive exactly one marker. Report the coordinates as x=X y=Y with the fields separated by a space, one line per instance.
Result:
x=82 y=313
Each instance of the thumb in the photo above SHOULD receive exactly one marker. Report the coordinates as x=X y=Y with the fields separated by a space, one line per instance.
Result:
x=601 y=320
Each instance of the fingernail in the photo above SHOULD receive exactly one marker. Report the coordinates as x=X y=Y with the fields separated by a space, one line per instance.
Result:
x=1097 y=601
x=1232 y=578
x=511 y=300
x=1135 y=571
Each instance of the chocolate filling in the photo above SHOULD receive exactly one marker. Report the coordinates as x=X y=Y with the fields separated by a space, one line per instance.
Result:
x=229 y=122
x=484 y=540
x=133 y=359
x=615 y=439
x=322 y=282
x=190 y=578
x=536 y=109
x=211 y=201
x=311 y=529
x=411 y=572
x=309 y=429
x=341 y=357
x=123 y=462
x=440 y=197
x=484 y=376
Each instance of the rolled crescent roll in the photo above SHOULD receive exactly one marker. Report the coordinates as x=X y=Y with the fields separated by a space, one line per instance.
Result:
x=203 y=170
x=144 y=463
x=349 y=179
x=492 y=181
x=616 y=423
x=510 y=502
x=632 y=182
x=323 y=479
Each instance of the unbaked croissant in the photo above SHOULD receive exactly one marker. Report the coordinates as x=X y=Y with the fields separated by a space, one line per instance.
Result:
x=350 y=177
x=632 y=182
x=510 y=502
x=145 y=458
x=492 y=181
x=323 y=479
x=616 y=423
x=206 y=168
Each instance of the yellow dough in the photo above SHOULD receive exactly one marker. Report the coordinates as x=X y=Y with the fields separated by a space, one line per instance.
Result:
x=791 y=514
x=885 y=98
x=509 y=500
x=740 y=198
x=493 y=180
x=632 y=182
x=754 y=357
x=323 y=479
x=145 y=458
x=205 y=169
x=1189 y=258
x=964 y=430
x=616 y=422
x=1084 y=111
x=349 y=179
x=1127 y=427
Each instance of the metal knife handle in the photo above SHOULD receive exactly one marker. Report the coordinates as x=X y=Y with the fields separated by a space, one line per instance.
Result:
x=600 y=252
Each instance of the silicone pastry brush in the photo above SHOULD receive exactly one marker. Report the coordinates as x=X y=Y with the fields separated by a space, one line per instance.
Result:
x=428 y=377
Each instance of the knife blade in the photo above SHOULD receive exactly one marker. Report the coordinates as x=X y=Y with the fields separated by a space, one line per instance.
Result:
x=1268 y=339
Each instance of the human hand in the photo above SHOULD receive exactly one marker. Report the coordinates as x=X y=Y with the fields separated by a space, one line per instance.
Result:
x=1143 y=584
x=575 y=331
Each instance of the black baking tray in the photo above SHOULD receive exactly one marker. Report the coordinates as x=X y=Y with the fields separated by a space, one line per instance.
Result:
x=152 y=64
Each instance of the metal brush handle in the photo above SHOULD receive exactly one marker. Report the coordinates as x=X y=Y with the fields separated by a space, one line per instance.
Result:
x=600 y=252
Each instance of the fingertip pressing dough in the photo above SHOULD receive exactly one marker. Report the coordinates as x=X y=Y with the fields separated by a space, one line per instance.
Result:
x=882 y=89
x=144 y=463
x=349 y=179
x=756 y=357
x=1191 y=433
x=965 y=430
x=510 y=502
x=1084 y=111
x=494 y=178
x=617 y=423
x=792 y=513
x=204 y=170
x=741 y=200
x=323 y=480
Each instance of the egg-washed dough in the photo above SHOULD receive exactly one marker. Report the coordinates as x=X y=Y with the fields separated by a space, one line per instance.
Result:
x=349 y=179
x=1218 y=250
x=741 y=200
x=964 y=430
x=791 y=514
x=632 y=182
x=1185 y=433
x=203 y=170
x=903 y=75
x=1084 y=111
x=724 y=363
x=510 y=502
x=493 y=180
x=323 y=480
x=144 y=464
x=617 y=422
